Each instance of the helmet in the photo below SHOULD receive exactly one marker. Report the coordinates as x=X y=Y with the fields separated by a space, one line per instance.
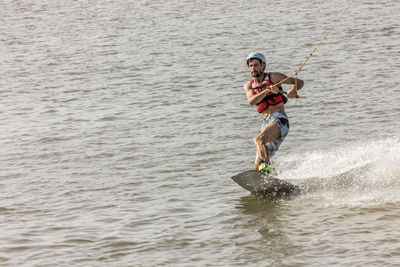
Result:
x=257 y=56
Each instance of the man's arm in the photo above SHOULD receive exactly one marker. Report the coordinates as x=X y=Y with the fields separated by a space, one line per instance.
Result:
x=253 y=98
x=292 y=92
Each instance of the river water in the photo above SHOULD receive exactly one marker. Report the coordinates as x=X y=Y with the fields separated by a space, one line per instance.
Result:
x=121 y=123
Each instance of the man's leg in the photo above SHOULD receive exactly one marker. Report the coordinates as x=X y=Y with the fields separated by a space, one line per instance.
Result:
x=270 y=133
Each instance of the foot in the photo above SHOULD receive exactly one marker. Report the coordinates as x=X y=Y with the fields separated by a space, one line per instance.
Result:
x=266 y=169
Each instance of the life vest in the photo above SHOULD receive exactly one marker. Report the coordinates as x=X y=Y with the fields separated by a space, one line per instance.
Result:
x=271 y=98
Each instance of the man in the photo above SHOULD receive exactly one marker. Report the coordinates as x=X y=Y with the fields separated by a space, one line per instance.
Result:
x=270 y=101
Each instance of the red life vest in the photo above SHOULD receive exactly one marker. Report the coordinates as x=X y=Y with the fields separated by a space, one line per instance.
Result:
x=270 y=98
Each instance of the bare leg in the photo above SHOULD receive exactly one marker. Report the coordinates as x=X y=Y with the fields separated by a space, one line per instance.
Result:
x=257 y=162
x=270 y=133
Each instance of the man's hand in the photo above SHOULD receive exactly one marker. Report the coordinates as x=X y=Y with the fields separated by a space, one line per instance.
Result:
x=274 y=89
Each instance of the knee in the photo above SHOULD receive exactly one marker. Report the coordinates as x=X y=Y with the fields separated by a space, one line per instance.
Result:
x=258 y=141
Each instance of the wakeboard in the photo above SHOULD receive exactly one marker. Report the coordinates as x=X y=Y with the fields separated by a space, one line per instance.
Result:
x=266 y=186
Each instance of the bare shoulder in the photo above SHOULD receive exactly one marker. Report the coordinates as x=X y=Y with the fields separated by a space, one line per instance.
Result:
x=247 y=86
x=276 y=77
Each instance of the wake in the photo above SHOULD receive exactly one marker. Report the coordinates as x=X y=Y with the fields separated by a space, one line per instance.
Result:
x=367 y=173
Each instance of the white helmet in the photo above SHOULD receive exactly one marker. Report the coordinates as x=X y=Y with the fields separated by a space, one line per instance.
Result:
x=257 y=56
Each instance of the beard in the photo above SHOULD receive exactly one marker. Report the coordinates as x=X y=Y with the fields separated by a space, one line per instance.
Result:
x=256 y=74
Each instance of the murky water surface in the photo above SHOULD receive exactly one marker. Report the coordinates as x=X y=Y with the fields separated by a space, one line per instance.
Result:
x=122 y=123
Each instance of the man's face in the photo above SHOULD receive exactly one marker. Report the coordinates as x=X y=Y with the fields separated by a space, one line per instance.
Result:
x=256 y=68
